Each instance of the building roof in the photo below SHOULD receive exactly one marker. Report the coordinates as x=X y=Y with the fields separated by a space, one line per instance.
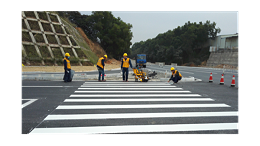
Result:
x=229 y=36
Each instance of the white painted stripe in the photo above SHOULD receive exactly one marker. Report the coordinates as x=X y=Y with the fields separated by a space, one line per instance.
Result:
x=139 y=106
x=109 y=86
x=133 y=95
x=138 y=99
x=122 y=85
x=139 y=115
x=132 y=91
x=186 y=72
x=121 y=82
x=130 y=88
x=138 y=128
x=47 y=86
x=29 y=102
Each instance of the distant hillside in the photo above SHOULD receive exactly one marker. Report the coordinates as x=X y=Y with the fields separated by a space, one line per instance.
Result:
x=46 y=37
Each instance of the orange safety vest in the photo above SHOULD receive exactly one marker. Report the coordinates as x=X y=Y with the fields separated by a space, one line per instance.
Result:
x=177 y=72
x=126 y=63
x=68 y=63
x=99 y=63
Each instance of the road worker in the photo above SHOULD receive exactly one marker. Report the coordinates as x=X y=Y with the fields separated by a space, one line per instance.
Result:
x=176 y=75
x=67 y=68
x=124 y=67
x=100 y=67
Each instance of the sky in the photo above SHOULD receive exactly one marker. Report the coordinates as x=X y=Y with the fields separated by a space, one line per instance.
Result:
x=148 y=24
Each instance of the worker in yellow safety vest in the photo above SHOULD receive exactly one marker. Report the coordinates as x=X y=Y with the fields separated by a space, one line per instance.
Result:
x=176 y=75
x=67 y=68
x=100 y=67
x=124 y=67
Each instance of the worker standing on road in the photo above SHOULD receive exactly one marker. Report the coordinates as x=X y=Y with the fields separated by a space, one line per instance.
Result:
x=100 y=67
x=67 y=68
x=124 y=67
x=176 y=75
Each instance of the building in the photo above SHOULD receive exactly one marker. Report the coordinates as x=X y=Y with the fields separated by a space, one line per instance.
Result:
x=224 y=50
x=224 y=42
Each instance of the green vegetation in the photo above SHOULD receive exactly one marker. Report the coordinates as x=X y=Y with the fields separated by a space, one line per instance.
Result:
x=111 y=33
x=185 y=44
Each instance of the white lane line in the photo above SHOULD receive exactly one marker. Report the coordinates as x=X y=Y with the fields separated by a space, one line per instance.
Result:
x=109 y=86
x=130 y=88
x=138 y=99
x=133 y=95
x=139 y=115
x=139 y=106
x=138 y=128
x=163 y=70
x=29 y=102
x=132 y=91
x=47 y=86
x=186 y=72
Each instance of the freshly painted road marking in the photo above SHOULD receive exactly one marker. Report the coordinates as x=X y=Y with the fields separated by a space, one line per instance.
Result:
x=132 y=91
x=133 y=95
x=126 y=85
x=29 y=102
x=110 y=86
x=139 y=128
x=139 y=106
x=138 y=99
x=130 y=88
x=139 y=115
x=121 y=82
x=48 y=86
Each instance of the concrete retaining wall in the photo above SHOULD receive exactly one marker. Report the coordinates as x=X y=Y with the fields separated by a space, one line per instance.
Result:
x=58 y=31
x=223 y=57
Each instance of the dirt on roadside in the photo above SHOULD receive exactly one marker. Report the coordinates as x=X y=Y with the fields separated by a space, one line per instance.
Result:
x=109 y=64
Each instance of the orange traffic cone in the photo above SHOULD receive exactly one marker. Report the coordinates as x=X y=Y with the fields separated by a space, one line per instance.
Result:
x=222 y=80
x=233 y=84
x=210 y=78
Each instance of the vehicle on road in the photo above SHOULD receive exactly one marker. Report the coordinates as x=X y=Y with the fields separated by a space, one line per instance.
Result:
x=141 y=60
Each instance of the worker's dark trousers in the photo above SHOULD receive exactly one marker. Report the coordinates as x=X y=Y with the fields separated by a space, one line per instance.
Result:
x=125 y=73
x=176 y=79
x=101 y=71
x=67 y=75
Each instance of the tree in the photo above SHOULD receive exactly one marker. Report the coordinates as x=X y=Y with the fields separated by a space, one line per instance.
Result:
x=182 y=44
x=102 y=27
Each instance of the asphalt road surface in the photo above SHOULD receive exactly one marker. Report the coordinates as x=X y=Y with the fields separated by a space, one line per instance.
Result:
x=128 y=107
x=197 y=72
x=201 y=73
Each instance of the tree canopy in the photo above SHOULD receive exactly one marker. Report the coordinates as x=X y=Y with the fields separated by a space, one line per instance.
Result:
x=181 y=45
x=111 y=33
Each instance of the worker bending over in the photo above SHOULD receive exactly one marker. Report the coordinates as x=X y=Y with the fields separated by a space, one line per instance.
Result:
x=67 y=68
x=176 y=75
x=124 y=67
x=100 y=67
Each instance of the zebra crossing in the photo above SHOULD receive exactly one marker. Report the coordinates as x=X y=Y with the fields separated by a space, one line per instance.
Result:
x=133 y=107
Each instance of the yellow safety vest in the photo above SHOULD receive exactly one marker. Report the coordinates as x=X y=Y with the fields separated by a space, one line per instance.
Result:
x=176 y=73
x=68 y=63
x=99 y=63
x=126 y=63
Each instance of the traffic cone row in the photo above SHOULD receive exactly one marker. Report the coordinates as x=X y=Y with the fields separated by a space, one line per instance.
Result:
x=233 y=84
